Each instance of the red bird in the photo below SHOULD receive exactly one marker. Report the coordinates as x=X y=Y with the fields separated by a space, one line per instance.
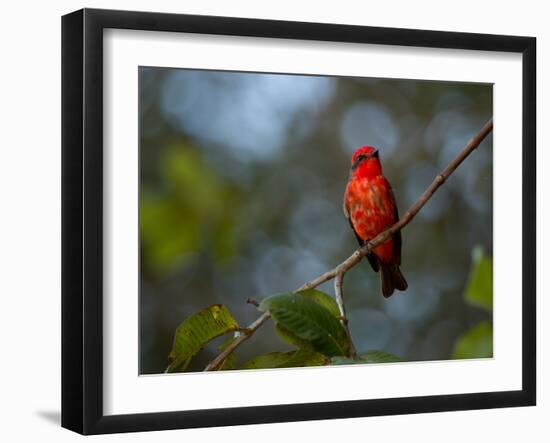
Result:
x=370 y=208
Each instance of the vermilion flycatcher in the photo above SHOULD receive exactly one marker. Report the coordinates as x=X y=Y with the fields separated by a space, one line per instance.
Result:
x=370 y=207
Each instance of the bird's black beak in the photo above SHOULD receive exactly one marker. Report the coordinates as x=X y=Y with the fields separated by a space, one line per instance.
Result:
x=373 y=154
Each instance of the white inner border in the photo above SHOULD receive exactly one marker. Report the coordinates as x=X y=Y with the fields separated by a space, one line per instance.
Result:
x=125 y=392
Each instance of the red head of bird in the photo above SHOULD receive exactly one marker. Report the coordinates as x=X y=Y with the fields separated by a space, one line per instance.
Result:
x=365 y=162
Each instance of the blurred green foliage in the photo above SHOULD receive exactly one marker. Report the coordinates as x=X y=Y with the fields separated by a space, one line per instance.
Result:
x=192 y=211
x=479 y=291
x=477 y=342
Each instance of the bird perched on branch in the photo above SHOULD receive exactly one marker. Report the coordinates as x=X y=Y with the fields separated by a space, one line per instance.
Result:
x=370 y=207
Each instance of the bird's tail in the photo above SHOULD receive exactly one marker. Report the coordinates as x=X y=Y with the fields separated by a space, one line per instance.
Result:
x=391 y=279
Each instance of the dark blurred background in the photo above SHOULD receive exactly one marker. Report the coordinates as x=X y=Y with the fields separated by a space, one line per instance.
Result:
x=242 y=179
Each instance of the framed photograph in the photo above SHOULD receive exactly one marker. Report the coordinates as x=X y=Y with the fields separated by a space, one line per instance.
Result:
x=268 y=221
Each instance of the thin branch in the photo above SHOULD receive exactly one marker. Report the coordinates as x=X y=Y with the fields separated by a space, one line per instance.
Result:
x=244 y=335
x=356 y=257
x=339 y=292
x=338 y=285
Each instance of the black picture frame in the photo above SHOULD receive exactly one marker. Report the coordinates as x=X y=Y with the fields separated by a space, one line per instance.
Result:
x=82 y=220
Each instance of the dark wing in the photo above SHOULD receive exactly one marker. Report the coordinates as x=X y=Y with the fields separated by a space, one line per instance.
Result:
x=397 y=242
x=371 y=257
x=397 y=236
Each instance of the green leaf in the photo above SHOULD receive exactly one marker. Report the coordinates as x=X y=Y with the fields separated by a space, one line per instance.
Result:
x=196 y=331
x=306 y=357
x=479 y=290
x=475 y=343
x=309 y=321
x=318 y=297
x=292 y=339
x=337 y=361
x=379 y=357
x=322 y=299
x=366 y=358
x=292 y=359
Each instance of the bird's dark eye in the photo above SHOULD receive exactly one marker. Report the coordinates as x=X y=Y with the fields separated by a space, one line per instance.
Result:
x=358 y=160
